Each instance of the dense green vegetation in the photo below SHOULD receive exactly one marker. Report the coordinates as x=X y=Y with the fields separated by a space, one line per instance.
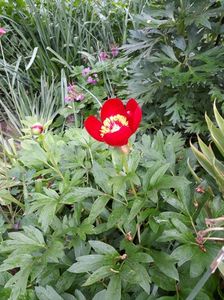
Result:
x=84 y=220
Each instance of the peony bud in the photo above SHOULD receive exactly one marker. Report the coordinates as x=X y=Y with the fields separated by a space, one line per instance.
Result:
x=37 y=129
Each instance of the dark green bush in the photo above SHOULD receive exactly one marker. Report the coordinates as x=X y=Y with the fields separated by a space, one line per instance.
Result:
x=178 y=63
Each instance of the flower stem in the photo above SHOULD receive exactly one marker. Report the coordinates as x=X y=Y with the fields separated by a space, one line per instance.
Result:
x=125 y=166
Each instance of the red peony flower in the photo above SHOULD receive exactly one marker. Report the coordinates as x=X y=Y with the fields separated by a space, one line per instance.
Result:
x=118 y=122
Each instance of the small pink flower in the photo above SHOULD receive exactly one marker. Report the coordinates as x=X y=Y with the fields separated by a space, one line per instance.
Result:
x=114 y=51
x=73 y=94
x=2 y=31
x=80 y=97
x=91 y=80
x=103 y=56
x=86 y=71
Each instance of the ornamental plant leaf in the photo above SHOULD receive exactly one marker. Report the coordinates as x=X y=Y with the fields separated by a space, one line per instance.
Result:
x=103 y=248
x=114 y=288
x=135 y=209
x=78 y=194
x=79 y=295
x=47 y=293
x=87 y=263
x=99 y=274
x=100 y=295
x=98 y=207
x=166 y=264
x=183 y=253
x=32 y=155
x=163 y=281
x=46 y=207
x=158 y=174
x=101 y=178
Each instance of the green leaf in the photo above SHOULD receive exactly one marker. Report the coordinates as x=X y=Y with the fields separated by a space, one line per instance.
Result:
x=158 y=174
x=219 y=119
x=79 y=193
x=133 y=161
x=79 y=295
x=97 y=207
x=46 y=207
x=100 y=295
x=101 y=178
x=117 y=217
x=103 y=248
x=98 y=275
x=216 y=134
x=87 y=263
x=114 y=288
x=32 y=155
x=138 y=203
x=166 y=264
x=32 y=58
x=169 y=52
x=161 y=280
x=168 y=182
x=183 y=253
x=204 y=161
x=18 y=282
x=47 y=293
x=136 y=273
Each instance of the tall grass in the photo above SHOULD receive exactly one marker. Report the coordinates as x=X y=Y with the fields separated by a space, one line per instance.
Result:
x=45 y=37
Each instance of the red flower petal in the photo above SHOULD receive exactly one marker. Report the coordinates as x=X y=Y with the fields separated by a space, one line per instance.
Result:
x=112 y=107
x=93 y=126
x=118 y=138
x=134 y=112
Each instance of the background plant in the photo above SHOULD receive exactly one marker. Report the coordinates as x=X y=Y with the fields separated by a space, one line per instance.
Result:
x=178 y=62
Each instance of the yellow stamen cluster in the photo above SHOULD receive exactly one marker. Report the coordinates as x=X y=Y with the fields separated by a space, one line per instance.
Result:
x=113 y=124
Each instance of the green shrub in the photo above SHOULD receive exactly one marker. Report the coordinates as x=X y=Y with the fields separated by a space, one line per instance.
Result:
x=178 y=62
x=94 y=222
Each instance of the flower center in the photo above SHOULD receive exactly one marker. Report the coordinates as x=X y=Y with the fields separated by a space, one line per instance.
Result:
x=113 y=124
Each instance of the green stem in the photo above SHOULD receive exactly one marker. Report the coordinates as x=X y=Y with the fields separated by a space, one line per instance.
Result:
x=75 y=115
x=125 y=165
x=56 y=170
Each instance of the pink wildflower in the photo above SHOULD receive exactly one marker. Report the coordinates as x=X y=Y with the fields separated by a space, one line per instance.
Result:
x=2 y=31
x=114 y=51
x=80 y=97
x=86 y=71
x=73 y=94
x=103 y=56
x=91 y=80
